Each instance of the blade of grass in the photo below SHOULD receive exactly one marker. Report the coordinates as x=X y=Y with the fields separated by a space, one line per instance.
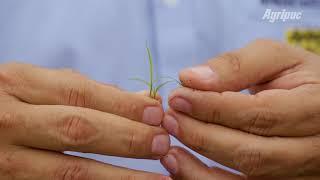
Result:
x=141 y=80
x=155 y=91
x=151 y=70
x=156 y=80
x=174 y=79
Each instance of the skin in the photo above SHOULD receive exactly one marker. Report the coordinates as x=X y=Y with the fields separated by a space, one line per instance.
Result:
x=46 y=112
x=272 y=133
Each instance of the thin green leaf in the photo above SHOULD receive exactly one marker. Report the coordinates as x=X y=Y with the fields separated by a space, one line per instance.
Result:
x=174 y=79
x=141 y=80
x=160 y=86
x=156 y=80
x=151 y=70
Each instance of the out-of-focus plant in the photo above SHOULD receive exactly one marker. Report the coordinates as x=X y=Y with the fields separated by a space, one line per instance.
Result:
x=308 y=39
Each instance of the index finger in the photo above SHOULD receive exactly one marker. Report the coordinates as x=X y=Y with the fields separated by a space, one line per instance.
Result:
x=37 y=85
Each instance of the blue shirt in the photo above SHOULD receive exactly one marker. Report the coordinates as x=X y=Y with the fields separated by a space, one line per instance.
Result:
x=105 y=39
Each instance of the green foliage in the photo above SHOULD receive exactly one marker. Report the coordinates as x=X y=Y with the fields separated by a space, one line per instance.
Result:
x=308 y=39
x=152 y=84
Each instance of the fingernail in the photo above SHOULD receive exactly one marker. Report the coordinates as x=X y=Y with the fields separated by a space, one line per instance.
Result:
x=170 y=163
x=200 y=73
x=152 y=115
x=160 y=144
x=170 y=124
x=180 y=104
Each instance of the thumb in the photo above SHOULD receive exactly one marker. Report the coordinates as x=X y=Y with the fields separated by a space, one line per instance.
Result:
x=257 y=63
x=184 y=166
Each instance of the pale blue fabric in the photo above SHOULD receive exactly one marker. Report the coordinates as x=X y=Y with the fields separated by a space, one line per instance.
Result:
x=105 y=39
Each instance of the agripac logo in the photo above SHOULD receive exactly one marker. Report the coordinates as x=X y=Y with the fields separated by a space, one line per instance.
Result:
x=283 y=15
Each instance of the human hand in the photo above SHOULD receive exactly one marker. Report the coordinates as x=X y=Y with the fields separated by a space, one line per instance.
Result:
x=45 y=112
x=272 y=133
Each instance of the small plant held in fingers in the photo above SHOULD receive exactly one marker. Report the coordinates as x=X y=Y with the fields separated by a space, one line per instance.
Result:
x=153 y=84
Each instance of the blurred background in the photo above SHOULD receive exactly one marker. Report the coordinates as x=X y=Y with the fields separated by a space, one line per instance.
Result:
x=106 y=39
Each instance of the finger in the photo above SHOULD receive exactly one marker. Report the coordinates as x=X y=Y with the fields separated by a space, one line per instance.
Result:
x=183 y=165
x=257 y=63
x=55 y=87
x=252 y=155
x=268 y=113
x=31 y=164
x=66 y=128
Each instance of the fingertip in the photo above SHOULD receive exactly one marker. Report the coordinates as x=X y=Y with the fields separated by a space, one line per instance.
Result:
x=153 y=112
x=170 y=124
x=199 y=77
x=181 y=104
x=170 y=163
x=181 y=163
x=160 y=145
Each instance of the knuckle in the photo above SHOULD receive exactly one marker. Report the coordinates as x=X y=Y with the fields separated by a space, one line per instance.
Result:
x=77 y=96
x=260 y=121
x=132 y=109
x=72 y=170
x=214 y=116
x=8 y=120
x=76 y=130
x=199 y=142
x=135 y=142
x=233 y=60
x=120 y=108
x=249 y=160
x=132 y=143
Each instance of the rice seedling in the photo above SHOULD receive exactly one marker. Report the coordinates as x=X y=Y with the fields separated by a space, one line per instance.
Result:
x=153 y=83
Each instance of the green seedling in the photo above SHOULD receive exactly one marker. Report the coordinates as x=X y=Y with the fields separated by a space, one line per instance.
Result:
x=153 y=84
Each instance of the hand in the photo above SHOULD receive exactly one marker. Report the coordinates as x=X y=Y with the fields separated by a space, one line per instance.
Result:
x=45 y=112
x=272 y=133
